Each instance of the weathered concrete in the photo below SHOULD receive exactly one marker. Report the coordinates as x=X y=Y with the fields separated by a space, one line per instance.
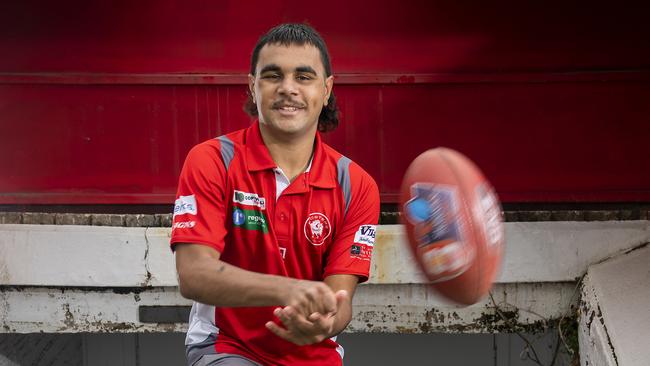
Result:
x=37 y=218
x=529 y=246
x=378 y=308
x=32 y=310
x=103 y=274
x=72 y=219
x=415 y=308
x=142 y=220
x=386 y=217
x=53 y=255
x=615 y=311
x=11 y=218
x=107 y=220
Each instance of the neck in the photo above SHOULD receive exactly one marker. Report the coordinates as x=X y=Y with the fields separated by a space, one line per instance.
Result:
x=291 y=153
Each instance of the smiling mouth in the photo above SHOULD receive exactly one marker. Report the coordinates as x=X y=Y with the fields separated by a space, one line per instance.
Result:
x=288 y=109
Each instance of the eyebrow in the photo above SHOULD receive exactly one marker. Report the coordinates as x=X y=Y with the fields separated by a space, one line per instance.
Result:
x=276 y=68
x=270 y=67
x=306 y=69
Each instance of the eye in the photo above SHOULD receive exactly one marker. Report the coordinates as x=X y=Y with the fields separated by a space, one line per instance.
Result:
x=303 y=77
x=272 y=76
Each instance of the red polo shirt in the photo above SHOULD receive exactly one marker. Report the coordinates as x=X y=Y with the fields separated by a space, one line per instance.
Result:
x=322 y=224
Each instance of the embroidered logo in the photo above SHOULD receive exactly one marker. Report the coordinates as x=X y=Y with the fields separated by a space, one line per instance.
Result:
x=317 y=228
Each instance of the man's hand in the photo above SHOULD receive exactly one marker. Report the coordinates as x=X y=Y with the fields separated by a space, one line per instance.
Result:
x=314 y=328
x=309 y=297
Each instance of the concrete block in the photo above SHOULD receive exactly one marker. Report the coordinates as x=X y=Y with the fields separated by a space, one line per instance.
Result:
x=165 y=220
x=72 y=219
x=107 y=220
x=411 y=308
x=567 y=215
x=142 y=220
x=10 y=218
x=534 y=216
x=615 y=318
x=511 y=216
x=38 y=218
x=601 y=215
x=43 y=255
x=627 y=215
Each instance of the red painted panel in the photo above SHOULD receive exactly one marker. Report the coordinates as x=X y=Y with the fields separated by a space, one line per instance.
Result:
x=99 y=104
x=161 y=36
x=536 y=142
x=109 y=144
x=125 y=144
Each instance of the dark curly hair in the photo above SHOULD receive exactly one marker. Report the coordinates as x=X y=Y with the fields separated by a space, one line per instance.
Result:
x=297 y=34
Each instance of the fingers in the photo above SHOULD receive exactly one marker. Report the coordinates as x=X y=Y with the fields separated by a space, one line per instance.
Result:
x=312 y=296
x=279 y=331
x=294 y=321
x=298 y=330
x=324 y=323
x=329 y=301
x=342 y=296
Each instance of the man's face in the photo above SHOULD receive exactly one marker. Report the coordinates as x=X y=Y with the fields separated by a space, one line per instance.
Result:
x=290 y=88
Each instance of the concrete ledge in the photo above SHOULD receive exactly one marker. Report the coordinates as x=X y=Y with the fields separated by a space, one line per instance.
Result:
x=615 y=311
x=95 y=256
x=377 y=308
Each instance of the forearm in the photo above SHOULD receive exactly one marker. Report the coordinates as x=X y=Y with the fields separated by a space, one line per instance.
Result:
x=341 y=320
x=215 y=282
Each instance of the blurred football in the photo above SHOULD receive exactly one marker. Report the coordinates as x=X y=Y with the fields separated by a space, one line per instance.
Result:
x=454 y=224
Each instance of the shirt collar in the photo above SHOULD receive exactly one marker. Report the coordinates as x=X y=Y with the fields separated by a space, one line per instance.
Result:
x=258 y=158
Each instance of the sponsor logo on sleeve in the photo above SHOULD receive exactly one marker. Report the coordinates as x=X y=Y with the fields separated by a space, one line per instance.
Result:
x=185 y=205
x=361 y=251
x=249 y=199
x=364 y=241
x=365 y=235
x=183 y=225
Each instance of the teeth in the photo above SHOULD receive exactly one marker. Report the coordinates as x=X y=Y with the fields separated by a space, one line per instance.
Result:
x=289 y=109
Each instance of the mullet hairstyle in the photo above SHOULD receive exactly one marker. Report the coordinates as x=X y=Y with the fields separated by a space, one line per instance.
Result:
x=297 y=34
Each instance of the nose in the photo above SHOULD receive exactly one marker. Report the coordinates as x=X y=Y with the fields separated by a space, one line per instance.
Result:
x=288 y=87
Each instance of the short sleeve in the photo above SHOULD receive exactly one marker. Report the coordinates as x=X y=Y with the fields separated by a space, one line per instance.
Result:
x=351 y=250
x=200 y=206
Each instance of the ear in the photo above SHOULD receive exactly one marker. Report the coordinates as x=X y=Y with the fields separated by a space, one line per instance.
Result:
x=251 y=86
x=329 y=84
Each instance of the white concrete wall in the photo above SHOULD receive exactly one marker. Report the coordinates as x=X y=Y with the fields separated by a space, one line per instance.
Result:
x=615 y=319
x=60 y=255
x=88 y=265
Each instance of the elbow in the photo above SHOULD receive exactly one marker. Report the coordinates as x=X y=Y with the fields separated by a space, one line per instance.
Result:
x=185 y=285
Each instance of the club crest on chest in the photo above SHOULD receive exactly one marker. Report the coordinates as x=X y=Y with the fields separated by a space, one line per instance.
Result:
x=317 y=228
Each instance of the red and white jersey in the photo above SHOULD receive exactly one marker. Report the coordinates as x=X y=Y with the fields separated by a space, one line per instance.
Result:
x=233 y=197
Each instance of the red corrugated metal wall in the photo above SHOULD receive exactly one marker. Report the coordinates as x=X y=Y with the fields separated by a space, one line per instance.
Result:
x=99 y=103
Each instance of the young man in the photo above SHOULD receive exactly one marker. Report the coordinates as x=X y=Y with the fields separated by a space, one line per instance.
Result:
x=273 y=229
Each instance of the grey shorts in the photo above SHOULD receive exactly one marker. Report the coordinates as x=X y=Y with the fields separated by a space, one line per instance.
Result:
x=224 y=359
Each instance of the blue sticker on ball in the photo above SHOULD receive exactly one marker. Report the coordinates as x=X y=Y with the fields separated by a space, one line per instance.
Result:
x=433 y=211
